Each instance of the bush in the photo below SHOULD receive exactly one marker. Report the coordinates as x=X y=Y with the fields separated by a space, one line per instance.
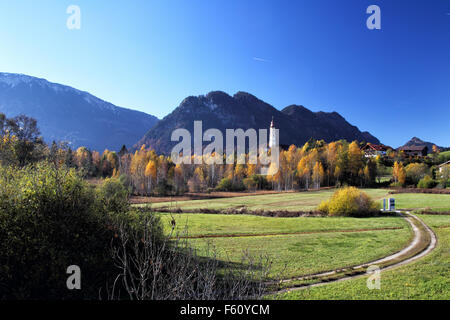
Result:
x=427 y=183
x=249 y=184
x=349 y=201
x=396 y=185
x=50 y=219
x=114 y=195
x=127 y=182
x=163 y=188
x=227 y=184
x=238 y=186
x=256 y=182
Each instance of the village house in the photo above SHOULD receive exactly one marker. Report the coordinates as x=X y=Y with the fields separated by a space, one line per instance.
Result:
x=443 y=165
x=414 y=151
x=373 y=150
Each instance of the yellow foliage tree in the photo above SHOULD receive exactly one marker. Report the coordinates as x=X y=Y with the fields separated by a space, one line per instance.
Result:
x=303 y=171
x=399 y=173
x=150 y=174
x=318 y=174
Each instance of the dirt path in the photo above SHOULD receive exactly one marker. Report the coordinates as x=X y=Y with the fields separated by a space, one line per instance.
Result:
x=414 y=251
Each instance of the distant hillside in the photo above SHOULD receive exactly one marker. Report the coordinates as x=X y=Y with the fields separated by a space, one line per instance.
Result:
x=64 y=113
x=218 y=110
x=416 y=142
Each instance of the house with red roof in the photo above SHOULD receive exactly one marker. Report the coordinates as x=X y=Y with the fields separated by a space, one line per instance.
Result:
x=373 y=150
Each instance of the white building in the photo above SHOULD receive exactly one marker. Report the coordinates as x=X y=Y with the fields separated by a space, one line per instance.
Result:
x=272 y=135
x=443 y=166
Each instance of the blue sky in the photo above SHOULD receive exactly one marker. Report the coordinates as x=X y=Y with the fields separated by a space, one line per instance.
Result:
x=150 y=55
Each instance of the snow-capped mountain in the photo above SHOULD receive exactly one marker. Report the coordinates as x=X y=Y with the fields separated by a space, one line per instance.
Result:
x=67 y=114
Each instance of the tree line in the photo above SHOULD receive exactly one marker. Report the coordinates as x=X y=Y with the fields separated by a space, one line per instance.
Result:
x=314 y=165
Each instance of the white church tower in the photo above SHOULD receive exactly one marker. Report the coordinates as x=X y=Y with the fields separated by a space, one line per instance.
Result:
x=272 y=136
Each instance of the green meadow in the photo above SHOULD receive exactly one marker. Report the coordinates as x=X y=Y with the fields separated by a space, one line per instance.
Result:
x=427 y=278
x=422 y=201
x=197 y=224
x=305 y=245
x=305 y=201
x=297 y=255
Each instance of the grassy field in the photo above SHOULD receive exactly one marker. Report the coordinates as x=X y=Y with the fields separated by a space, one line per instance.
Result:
x=444 y=156
x=299 y=246
x=293 y=201
x=296 y=255
x=320 y=244
x=421 y=201
x=221 y=224
x=428 y=278
x=305 y=201
x=435 y=221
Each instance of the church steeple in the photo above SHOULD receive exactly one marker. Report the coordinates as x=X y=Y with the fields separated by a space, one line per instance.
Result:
x=272 y=136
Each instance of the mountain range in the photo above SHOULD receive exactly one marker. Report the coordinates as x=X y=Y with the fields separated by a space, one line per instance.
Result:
x=67 y=114
x=219 y=110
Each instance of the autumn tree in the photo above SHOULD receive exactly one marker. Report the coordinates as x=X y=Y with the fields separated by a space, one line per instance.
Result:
x=340 y=171
x=370 y=172
x=21 y=139
x=318 y=174
x=331 y=158
x=179 y=178
x=303 y=172
x=416 y=171
x=83 y=160
x=355 y=162
x=399 y=173
x=150 y=173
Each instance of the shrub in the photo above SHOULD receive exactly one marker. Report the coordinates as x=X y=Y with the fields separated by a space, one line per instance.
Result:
x=127 y=182
x=227 y=184
x=114 y=195
x=349 y=201
x=163 y=188
x=256 y=182
x=261 y=181
x=396 y=185
x=50 y=219
x=238 y=186
x=427 y=183
x=249 y=184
